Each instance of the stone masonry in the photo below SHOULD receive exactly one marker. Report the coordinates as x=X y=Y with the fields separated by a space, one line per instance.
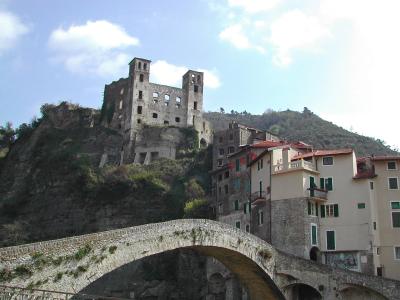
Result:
x=266 y=272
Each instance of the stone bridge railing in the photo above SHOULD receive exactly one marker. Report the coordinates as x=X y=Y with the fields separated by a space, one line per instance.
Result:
x=71 y=264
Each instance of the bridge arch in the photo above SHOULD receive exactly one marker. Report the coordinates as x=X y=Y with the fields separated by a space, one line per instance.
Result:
x=249 y=258
x=301 y=291
x=358 y=292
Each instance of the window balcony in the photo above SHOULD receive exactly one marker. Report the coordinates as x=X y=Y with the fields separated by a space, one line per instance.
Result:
x=292 y=166
x=318 y=194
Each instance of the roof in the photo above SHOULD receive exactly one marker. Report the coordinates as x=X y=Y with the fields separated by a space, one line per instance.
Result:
x=268 y=144
x=385 y=157
x=257 y=158
x=317 y=153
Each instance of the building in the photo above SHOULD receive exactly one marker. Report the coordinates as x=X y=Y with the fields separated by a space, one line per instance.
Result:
x=324 y=205
x=134 y=103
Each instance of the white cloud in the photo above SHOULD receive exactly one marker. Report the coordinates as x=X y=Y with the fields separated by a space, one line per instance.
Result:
x=11 y=29
x=234 y=34
x=254 y=6
x=165 y=73
x=97 y=47
x=295 y=30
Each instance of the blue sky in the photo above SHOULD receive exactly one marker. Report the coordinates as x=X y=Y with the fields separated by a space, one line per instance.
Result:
x=339 y=58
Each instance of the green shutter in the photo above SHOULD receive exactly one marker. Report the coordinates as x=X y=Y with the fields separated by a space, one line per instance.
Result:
x=329 y=184
x=313 y=234
x=395 y=205
x=322 y=183
x=336 y=210
x=237 y=165
x=330 y=240
x=309 y=207
x=322 y=211
x=236 y=204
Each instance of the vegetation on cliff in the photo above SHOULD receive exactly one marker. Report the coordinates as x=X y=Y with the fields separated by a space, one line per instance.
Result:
x=304 y=126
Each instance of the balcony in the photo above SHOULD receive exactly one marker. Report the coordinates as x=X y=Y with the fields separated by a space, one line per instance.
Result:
x=318 y=194
x=292 y=166
x=258 y=197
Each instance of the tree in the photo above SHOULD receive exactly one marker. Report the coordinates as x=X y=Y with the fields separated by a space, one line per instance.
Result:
x=221 y=110
x=7 y=135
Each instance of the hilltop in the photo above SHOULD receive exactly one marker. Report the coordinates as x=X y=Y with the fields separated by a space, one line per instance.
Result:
x=303 y=126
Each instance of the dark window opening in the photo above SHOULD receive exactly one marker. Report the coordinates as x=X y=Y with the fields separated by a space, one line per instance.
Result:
x=196 y=88
x=166 y=122
x=195 y=105
x=177 y=119
x=231 y=136
x=391 y=165
x=145 y=66
x=139 y=121
x=153 y=156
x=155 y=116
x=140 y=95
x=227 y=174
x=139 y=65
x=139 y=110
x=141 y=77
x=220 y=177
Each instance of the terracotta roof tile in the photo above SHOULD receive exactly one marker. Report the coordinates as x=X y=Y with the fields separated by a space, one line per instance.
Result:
x=317 y=153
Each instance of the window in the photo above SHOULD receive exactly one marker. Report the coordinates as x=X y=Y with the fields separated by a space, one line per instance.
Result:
x=397 y=252
x=139 y=65
x=166 y=122
x=313 y=234
x=371 y=185
x=139 y=121
x=260 y=164
x=237 y=165
x=141 y=77
x=219 y=162
x=260 y=217
x=236 y=204
x=237 y=224
x=391 y=165
x=374 y=224
x=395 y=205
x=221 y=139
x=178 y=102
x=330 y=240
x=393 y=185
x=220 y=177
x=155 y=95
x=196 y=88
x=195 y=105
x=236 y=184
x=120 y=104
x=140 y=95
x=221 y=151
x=231 y=149
x=220 y=191
x=330 y=210
x=177 y=119
x=326 y=183
x=155 y=116
x=122 y=91
x=379 y=271
x=145 y=66
x=361 y=205
x=226 y=189
x=139 y=110
x=166 y=97
x=312 y=208
x=378 y=251
x=327 y=161
x=231 y=136
x=246 y=208
x=220 y=207
x=247 y=228
x=227 y=174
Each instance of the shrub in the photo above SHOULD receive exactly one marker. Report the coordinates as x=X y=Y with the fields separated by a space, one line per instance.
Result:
x=197 y=208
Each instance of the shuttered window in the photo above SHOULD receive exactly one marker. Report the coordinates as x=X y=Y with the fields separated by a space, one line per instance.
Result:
x=330 y=240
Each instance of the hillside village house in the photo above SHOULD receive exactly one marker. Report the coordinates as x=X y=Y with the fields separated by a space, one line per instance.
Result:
x=324 y=205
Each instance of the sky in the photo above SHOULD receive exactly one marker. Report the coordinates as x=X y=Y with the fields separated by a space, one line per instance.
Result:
x=338 y=58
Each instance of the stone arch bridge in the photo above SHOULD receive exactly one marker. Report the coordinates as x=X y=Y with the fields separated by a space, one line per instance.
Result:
x=71 y=264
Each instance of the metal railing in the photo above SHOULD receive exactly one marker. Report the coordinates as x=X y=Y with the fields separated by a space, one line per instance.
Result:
x=19 y=293
x=258 y=195
x=318 y=193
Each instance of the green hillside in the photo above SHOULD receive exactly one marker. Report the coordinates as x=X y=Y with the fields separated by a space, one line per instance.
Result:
x=306 y=127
